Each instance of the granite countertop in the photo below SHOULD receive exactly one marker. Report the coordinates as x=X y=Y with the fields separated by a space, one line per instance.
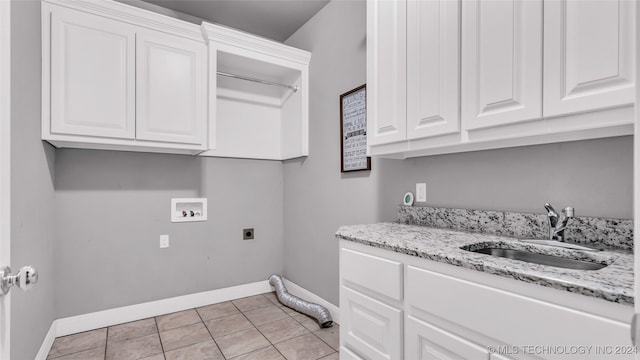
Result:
x=613 y=282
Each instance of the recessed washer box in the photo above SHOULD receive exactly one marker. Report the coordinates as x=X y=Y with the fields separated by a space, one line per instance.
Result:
x=188 y=209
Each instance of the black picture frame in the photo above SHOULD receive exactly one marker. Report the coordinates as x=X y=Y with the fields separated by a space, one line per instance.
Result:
x=353 y=131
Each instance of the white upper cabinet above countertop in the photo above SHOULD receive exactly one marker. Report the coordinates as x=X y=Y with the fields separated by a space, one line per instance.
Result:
x=386 y=71
x=482 y=74
x=589 y=55
x=502 y=62
x=433 y=68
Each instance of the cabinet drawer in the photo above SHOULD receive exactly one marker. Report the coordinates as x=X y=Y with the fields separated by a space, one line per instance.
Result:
x=373 y=273
x=427 y=342
x=369 y=326
x=346 y=354
x=509 y=317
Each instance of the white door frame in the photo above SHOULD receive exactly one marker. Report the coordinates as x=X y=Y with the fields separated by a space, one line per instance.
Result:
x=5 y=167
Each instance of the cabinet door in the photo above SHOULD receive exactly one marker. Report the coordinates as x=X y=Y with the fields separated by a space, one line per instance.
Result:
x=501 y=62
x=433 y=68
x=369 y=326
x=92 y=76
x=429 y=294
x=427 y=342
x=346 y=354
x=171 y=92
x=588 y=55
x=386 y=71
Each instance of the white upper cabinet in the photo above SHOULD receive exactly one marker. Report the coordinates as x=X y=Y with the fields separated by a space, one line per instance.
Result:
x=386 y=71
x=588 y=55
x=501 y=62
x=120 y=78
x=433 y=68
x=486 y=74
x=92 y=82
x=171 y=89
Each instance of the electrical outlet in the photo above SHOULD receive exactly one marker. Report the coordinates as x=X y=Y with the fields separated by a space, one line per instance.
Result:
x=247 y=234
x=164 y=241
x=421 y=192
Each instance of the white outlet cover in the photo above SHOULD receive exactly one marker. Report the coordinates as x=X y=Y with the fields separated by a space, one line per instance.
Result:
x=164 y=241
x=421 y=192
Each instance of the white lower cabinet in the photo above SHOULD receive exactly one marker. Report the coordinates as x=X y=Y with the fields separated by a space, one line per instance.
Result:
x=447 y=312
x=371 y=327
x=371 y=293
x=518 y=321
x=427 y=342
x=346 y=354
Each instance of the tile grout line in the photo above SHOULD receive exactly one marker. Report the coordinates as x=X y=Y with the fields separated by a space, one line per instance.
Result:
x=256 y=327
x=210 y=334
x=179 y=327
x=299 y=322
x=159 y=338
x=309 y=330
x=321 y=339
x=79 y=351
x=106 y=343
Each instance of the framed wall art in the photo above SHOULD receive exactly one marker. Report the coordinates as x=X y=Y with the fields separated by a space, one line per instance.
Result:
x=353 y=130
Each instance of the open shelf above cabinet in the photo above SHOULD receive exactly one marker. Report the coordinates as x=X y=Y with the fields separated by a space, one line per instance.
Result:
x=261 y=118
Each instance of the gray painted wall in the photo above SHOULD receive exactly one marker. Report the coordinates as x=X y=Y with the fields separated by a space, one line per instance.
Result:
x=112 y=207
x=317 y=197
x=593 y=176
x=32 y=197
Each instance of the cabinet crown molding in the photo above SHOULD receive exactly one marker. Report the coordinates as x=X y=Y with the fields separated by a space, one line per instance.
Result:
x=229 y=36
x=135 y=16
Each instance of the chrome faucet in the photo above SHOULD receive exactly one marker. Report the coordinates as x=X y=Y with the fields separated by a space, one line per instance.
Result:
x=558 y=223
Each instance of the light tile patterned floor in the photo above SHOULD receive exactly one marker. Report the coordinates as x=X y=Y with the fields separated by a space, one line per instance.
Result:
x=252 y=328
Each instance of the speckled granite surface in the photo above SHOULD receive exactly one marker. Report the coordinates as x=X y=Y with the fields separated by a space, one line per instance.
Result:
x=613 y=283
x=616 y=233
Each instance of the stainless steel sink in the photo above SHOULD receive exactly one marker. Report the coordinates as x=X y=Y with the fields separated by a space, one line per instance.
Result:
x=542 y=259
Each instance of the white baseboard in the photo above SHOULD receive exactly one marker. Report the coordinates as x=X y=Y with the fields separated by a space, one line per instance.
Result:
x=295 y=289
x=100 y=319
x=47 y=342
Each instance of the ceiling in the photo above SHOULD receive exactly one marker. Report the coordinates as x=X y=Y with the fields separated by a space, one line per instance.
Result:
x=273 y=19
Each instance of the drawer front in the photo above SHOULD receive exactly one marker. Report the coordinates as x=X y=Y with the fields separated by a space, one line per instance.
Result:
x=346 y=354
x=370 y=327
x=427 y=342
x=507 y=317
x=377 y=274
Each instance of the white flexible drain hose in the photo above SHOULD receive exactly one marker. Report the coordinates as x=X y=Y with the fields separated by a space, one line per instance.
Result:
x=314 y=310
